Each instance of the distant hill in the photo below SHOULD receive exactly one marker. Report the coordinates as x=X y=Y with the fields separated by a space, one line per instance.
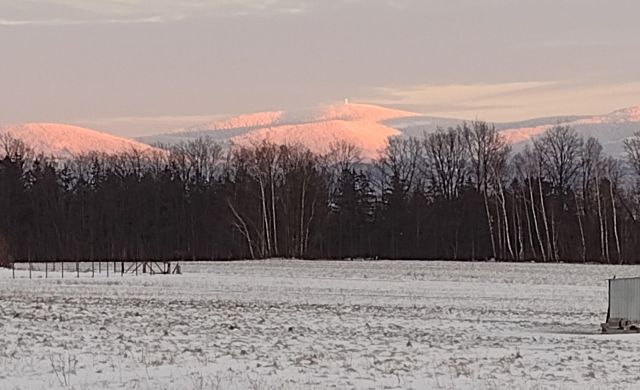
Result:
x=610 y=129
x=64 y=141
x=366 y=126
x=359 y=124
x=369 y=127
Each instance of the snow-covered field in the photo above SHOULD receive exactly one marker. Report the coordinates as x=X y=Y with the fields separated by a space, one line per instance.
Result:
x=317 y=325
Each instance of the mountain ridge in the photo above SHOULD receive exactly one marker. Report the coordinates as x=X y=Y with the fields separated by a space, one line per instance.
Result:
x=65 y=141
x=369 y=126
x=364 y=125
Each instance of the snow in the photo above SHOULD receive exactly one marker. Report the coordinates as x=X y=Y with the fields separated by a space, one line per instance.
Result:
x=369 y=127
x=64 y=141
x=357 y=124
x=295 y=325
x=318 y=137
x=317 y=129
x=523 y=134
x=361 y=113
x=366 y=126
x=247 y=121
x=629 y=114
x=616 y=125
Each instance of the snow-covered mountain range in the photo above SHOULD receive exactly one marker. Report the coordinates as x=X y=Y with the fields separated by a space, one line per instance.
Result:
x=64 y=141
x=366 y=126
x=369 y=127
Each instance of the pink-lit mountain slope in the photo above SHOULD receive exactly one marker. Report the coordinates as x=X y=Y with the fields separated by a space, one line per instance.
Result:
x=369 y=127
x=365 y=126
x=64 y=141
x=359 y=124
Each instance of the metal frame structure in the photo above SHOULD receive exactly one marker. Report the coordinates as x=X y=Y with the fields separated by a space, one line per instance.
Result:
x=623 y=313
x=108 y=268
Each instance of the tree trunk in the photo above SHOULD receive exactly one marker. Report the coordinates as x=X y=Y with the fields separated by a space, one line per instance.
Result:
x=518 y=227
x=273 y=214
x=580 y=210
x=486 y=207
x=535 y=221
x=544 y=219
x=242 y=227
x=615 y=221
x=506 y=221
x=530 y=233
x=601 y=224
x=265 y=219
x=301 y=233
x=500 y=241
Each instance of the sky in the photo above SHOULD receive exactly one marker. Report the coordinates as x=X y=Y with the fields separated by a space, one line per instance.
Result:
x=139 y=67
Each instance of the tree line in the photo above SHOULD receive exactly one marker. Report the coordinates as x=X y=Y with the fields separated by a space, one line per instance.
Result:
x=456 y=193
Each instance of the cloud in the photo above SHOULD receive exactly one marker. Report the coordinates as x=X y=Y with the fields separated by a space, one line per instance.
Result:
x=83 y=12
x=458 y=96
x=511 y=101
x=71 y=22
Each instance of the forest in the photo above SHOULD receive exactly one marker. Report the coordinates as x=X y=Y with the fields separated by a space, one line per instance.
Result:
x=457 y=193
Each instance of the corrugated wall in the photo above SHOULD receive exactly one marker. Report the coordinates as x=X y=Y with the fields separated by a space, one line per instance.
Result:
x=624 y=299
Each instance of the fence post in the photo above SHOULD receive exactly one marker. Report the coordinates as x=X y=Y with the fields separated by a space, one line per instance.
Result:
x=46 y=269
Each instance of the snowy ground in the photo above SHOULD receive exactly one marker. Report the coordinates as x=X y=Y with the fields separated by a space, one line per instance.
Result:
x=316 y=325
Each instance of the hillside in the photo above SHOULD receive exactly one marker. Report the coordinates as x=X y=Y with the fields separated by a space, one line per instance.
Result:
x=359 y=124
x=370 y=126
x=366 y=126
x=64 y=141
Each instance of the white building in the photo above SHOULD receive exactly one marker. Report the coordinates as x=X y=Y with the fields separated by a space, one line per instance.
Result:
x=623 y=314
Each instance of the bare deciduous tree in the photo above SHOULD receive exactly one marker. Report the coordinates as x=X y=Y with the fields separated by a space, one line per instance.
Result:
x=399 y=163
x=632 y=150
x=446 y=166
x=559 y=149
x=488 y=153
